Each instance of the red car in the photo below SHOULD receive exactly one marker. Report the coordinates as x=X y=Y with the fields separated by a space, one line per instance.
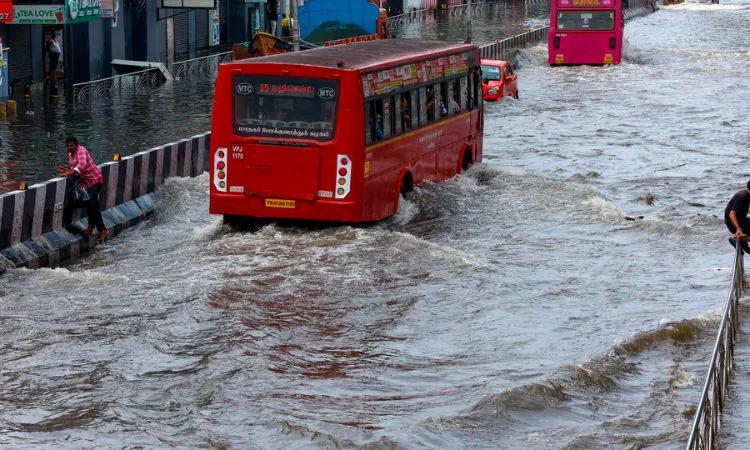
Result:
x=498 y=80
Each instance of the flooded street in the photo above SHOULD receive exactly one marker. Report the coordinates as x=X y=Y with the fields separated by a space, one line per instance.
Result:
x=32 y=146
x=563 y=294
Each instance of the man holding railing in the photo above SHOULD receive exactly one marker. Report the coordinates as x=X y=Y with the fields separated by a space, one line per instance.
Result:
x=735 y=216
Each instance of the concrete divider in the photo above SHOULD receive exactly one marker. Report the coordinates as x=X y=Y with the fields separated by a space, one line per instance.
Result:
x=39 y=226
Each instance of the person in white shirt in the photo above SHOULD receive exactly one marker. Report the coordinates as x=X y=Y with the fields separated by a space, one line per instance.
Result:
x=53 y=54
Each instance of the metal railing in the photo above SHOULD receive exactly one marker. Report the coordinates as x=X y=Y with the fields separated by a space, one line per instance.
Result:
x=127 y=82
x=416 y=15
x=411 y=16
x=457 y=10
x=207 y=65
x=134 y=81
x=506 y=49
x=708 y=413
x=202 y=51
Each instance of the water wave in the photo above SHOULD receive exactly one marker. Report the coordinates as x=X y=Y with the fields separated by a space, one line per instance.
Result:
x=677 y=332
x=572 y=395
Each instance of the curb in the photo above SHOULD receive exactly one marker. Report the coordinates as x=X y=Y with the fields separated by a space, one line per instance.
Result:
x=55 y=247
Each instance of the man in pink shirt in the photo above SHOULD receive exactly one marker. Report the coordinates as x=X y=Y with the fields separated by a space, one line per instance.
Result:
x=83 y=166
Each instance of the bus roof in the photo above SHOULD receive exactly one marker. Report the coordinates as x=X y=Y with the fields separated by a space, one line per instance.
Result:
x=364 y=55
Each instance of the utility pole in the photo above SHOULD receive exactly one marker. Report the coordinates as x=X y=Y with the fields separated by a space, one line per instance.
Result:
x=468 y=15
x=295 y=26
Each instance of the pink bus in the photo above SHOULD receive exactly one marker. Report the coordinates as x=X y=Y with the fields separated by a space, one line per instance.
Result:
x=585 y=32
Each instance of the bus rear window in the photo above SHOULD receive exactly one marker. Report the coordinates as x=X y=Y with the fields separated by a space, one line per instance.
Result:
x=285 y=107
x=585 y=20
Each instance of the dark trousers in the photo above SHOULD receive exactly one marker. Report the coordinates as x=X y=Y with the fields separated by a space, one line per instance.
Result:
x=53 y=59
x=92 y=207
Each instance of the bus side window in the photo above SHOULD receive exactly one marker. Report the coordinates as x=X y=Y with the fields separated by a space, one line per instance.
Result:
x=454 y=97
x=423 y=113
x=398 y=125
x=387 y=122
x=466 y=90
x=369 y=123
x=377 y=130
x=405 y=110
x=416 y=110
x=442 y=90
x=477 y=87
x=432 y=102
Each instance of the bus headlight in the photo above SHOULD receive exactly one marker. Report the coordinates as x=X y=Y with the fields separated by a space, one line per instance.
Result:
x=492 y=91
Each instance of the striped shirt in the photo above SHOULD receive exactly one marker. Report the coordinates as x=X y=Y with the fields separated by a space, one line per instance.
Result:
x=82 y=163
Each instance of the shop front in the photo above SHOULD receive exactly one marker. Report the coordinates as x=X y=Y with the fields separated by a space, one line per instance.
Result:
x=42 y=38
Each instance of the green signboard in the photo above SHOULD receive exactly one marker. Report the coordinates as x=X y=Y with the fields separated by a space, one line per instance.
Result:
x=81 y=10
x=38 y=14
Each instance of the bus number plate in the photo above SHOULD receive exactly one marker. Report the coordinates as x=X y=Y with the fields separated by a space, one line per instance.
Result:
x=278 y=203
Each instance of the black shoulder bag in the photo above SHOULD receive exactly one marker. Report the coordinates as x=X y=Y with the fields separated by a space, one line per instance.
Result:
x=78 y=191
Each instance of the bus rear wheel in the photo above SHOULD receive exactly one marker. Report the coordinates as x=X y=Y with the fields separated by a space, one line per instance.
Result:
x=407 y=185
x=232 y=221
x=242 y=223
x=468 y=160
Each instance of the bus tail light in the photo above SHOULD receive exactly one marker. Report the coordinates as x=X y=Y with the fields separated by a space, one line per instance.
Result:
x=557 y=41
x=612 y=42
x=220 y=169
x=343 y=176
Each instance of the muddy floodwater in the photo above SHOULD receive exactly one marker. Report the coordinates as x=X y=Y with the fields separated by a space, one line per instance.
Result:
x=563 y=294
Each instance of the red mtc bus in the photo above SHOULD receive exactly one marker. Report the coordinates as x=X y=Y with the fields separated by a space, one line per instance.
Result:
x=337 y=133
x=585 y=32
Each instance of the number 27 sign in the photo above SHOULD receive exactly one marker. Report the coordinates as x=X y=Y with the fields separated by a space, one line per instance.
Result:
x=6 y=11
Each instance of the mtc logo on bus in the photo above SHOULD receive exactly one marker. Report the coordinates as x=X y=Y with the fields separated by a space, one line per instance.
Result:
x=326 y=93
x=244 y=88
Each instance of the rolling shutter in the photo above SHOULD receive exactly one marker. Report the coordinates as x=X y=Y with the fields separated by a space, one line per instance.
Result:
x=201 y=29
x=19 y=59
x=181 y=37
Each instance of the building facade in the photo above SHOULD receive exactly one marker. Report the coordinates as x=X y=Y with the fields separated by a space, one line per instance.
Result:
x=91 y=33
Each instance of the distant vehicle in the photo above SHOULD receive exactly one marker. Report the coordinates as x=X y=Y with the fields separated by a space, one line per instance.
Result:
x=339 y=133
x=585 y=32
x=498 y=80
